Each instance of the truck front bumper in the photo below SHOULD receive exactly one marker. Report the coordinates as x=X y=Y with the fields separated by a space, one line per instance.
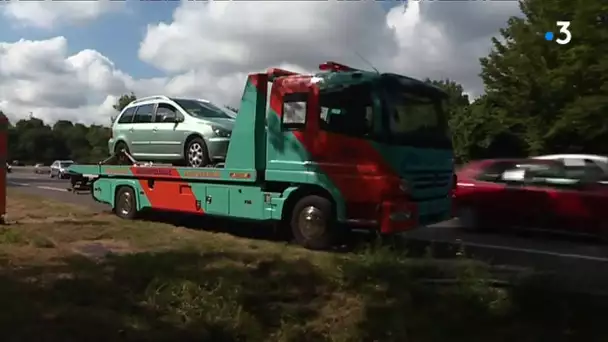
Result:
x=400 y=215
x=397 y=217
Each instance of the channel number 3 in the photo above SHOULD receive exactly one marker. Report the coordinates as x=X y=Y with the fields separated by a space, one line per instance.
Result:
x=563 y=29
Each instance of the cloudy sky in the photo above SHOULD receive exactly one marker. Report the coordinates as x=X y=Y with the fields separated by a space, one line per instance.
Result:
x=71 y=60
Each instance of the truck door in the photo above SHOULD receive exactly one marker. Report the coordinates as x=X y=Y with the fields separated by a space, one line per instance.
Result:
x=288 y=122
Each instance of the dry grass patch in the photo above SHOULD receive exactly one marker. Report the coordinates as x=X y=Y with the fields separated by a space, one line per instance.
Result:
x=79 y=275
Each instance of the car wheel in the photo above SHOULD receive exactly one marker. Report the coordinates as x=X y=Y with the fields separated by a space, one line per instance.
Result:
x=122 y=159
x=125 y=204
x=469 y=218
x=602 y=232
x=312 y=223
x=197 y=154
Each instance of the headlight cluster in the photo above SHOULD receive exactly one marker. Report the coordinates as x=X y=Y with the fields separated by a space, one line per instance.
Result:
x=404 y=186
x=222 y=133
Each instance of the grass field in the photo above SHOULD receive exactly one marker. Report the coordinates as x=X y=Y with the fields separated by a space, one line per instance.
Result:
x=70 y=274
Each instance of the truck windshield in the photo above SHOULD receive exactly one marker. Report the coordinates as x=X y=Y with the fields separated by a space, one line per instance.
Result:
x=204 y=110
x=349 y=111
x=416 y=118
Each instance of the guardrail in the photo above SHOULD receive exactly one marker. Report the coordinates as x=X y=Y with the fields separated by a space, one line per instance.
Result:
x=30 y=169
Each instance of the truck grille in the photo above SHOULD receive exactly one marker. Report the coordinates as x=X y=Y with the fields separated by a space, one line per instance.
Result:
x=430 y=180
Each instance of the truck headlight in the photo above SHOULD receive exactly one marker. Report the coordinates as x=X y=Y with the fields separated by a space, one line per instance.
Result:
x=403 y=186
x=400 y=216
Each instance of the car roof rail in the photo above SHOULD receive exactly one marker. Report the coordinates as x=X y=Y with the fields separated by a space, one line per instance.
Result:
x=153 y=97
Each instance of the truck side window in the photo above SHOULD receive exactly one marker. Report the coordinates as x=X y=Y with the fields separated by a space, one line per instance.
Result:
x=348 y=111
x=294 y=111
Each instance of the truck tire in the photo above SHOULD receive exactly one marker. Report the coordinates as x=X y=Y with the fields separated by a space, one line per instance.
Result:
x=125 y=203
x=312 y=223
x=196 y=153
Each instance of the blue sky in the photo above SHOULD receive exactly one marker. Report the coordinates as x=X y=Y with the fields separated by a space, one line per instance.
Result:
x=210 y=46
x=116 y=35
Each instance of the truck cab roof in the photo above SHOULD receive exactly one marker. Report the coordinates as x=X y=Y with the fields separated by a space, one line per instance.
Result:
x=340 y=76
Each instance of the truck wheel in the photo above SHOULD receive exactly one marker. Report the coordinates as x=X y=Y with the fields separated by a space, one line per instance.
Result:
x=125 y=205
x=196 y=154
x=311 y=223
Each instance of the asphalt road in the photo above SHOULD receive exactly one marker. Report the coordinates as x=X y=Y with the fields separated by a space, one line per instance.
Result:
x=43 y=185
x=585 y=260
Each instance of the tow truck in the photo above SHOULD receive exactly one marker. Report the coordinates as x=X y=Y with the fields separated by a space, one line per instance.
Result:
x=320 y=154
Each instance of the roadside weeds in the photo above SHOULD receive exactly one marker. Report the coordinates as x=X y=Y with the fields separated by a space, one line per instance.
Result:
x=67 y=273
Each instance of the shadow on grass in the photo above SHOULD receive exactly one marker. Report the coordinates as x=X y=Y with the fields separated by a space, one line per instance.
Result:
x=231 y=296
x=250 y=229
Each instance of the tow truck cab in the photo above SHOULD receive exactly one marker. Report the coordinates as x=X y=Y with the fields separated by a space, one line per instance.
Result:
x=378 y=144
x=344 y=145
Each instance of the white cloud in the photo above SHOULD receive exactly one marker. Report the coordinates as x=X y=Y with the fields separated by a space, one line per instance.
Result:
x=209 y=47
x=40 y=77
x=47 y=14
x=218 y=40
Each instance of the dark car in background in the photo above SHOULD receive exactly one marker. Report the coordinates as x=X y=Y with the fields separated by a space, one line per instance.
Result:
x=532 y=193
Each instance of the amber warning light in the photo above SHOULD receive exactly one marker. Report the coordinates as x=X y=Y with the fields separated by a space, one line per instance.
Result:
x=333 y=66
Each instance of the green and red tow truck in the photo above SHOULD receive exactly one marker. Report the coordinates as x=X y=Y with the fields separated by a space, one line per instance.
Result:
x=341 y=148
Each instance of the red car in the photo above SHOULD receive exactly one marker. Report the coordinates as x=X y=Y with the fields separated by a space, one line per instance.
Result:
x=532 y=193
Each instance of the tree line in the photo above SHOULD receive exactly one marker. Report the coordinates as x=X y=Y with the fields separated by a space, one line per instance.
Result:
x=540 y=97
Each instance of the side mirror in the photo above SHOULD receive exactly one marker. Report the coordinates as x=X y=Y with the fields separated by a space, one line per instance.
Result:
x=179 y=119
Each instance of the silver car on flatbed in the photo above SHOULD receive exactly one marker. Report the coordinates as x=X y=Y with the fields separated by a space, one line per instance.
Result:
x=190 y=132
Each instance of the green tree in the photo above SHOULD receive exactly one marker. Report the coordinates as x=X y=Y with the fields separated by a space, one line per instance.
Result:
x=553 y=97
x=123 y=101
x=457 y=99
x=32 y=141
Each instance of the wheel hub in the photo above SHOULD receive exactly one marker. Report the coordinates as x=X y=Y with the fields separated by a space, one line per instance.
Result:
x=312 y=222
x=125 y=204
x=195 y=154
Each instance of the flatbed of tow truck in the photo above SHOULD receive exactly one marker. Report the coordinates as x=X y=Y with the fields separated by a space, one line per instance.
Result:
x=311 y=177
